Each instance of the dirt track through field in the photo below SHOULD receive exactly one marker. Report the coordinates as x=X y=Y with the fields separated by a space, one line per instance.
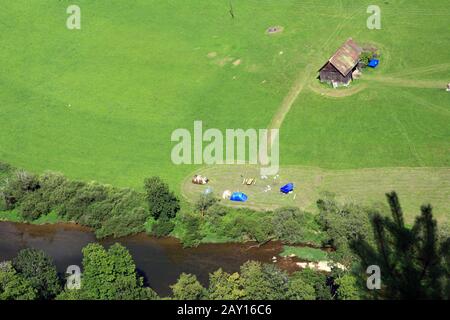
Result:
x=422 y=70
x=409 y=83
x=303 y=78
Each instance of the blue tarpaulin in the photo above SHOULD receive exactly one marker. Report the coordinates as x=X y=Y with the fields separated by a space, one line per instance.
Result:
x=238 y=196
x=287 y=188
x=373 y=63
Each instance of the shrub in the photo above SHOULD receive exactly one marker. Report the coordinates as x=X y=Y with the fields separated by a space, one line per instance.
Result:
x=217 y=210
x=5 y=168
x=204 y=202
x=289 y=224
x=17 y=187
x=119 y=226
x=13 y=286
x=317 y=280
x=365 y=58
x=162 y=227
x=263 y=282
x=89 y=206
x=33 y=206
x=343 y=223
x=188 y=288
x=300 y=290
x=38 y=268
x=161 y=200
x=192 y=225
x=248 y=225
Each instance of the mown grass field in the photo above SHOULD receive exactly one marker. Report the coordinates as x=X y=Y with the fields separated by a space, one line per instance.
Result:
x=100 y=103
x=415 y=186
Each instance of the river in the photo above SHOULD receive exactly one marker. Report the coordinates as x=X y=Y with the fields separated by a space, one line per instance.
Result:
x=159 y=260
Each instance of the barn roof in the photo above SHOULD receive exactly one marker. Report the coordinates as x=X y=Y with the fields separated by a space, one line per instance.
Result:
x=346 y=57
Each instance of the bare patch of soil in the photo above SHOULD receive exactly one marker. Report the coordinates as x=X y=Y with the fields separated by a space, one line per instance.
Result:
x=274 y=30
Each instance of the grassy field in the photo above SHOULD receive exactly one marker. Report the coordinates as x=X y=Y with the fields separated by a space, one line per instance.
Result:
x=14 y=216
x=304 y=253
x=100 y=103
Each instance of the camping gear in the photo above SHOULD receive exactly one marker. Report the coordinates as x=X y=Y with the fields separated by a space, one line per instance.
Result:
x=226 y=194
x=373 y=63
x=239 y=197
x=198 y=179
x=208 y=191
x=249 y=181
x=287 y=188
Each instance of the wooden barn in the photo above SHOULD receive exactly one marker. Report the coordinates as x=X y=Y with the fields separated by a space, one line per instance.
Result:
x=340 y=67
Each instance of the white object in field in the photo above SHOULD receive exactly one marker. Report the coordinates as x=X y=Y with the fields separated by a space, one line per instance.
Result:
x=226 y=194
x=198 y=179
x=320 y=265
x=263 y=177
x=281 y=52
x=448 y=87
x=295 y=195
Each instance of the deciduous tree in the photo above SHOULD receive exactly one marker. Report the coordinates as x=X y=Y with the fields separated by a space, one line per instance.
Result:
x=38 y=268
x=188 y=288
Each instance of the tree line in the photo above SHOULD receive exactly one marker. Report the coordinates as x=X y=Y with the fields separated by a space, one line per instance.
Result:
x=108 y=210
x=110 y=274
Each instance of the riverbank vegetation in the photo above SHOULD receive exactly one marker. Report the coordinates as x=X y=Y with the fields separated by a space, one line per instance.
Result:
x=415 y=263
x=51 y=197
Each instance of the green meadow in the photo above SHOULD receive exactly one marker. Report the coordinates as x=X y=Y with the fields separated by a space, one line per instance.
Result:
x=101 y=103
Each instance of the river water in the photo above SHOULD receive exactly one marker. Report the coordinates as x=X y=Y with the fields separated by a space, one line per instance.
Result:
x=159 y=260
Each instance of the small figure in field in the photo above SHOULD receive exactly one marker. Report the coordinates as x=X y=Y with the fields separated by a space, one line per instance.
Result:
x=448 y=87
x=231 y=11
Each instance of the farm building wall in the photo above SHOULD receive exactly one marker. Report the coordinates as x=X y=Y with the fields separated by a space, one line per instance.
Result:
x=330 y=74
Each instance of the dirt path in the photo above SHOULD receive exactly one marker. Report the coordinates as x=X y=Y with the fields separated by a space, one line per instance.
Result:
x=305 y=76
x=289 y=100
x=333 y=93
x=409 y=83
x=422 y=70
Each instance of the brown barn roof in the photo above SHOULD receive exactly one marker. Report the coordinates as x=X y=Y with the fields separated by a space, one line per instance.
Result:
x=346 y=57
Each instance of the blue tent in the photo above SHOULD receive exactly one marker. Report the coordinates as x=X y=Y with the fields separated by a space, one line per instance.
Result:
x=238 y=196
x=373 y=63
x=287 y=188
